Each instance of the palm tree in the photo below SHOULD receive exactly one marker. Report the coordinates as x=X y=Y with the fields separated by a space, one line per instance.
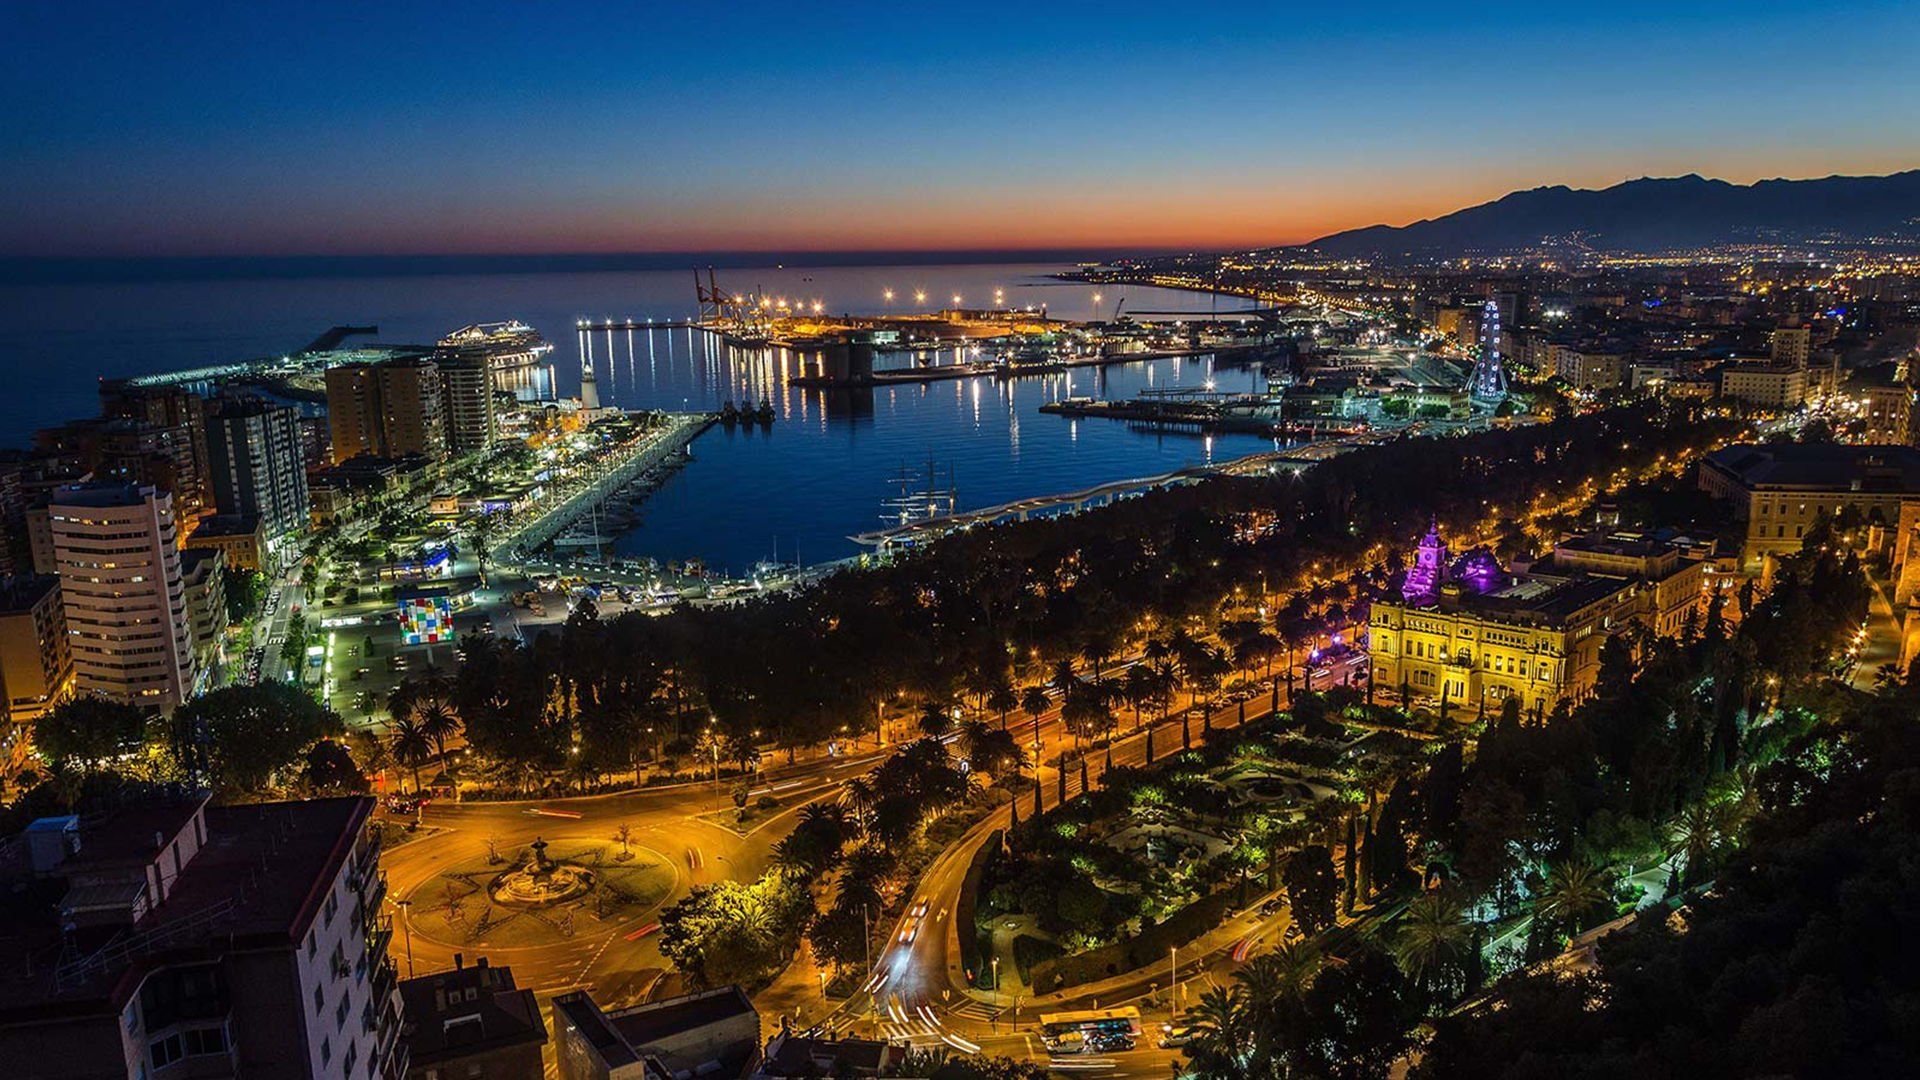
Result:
x=1434 y=935
x=1219 y=1032
x=935 y=720
x=1697 y=833
x=1573 y=891
x=859 y=796
x=1287 y=971
x=1096 y=652
x=438 y=720
x=411 y=745
x=1001 y=699
x=1139 y=690
x=1035 y=703
x=1063 y=678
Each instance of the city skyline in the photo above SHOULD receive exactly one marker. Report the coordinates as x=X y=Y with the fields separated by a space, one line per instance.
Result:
x=267 y=132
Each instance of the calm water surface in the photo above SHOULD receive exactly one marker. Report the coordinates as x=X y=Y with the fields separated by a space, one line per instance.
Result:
x=796 y=490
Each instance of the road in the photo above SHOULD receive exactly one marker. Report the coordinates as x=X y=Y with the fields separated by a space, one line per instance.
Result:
x=283 y=596
x=664 y=820
x=920 y=992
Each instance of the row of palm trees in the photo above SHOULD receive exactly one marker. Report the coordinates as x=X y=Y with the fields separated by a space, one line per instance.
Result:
x=423 y=719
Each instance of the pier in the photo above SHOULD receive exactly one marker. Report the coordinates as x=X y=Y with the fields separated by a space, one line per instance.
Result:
x=647 y=452
x=930 y=529
x=1001 y=370
x=1199 y=415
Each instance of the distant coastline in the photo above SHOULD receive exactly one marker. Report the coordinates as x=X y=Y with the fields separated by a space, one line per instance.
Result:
x=38 y=270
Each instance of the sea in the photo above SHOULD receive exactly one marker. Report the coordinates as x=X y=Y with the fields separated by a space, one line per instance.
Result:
x=795 y=491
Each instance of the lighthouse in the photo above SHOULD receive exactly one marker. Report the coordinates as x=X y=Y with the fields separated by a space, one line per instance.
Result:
x=589 y=386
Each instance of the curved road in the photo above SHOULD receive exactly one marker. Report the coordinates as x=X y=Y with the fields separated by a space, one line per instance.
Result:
x=919 y=990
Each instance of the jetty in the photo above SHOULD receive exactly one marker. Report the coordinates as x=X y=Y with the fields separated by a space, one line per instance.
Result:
x=650 y=450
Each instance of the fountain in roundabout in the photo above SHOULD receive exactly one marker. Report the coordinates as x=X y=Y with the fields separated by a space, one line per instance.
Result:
x=540 y=882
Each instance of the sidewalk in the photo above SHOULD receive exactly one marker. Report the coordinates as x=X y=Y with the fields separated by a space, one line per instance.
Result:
x=1882 y=646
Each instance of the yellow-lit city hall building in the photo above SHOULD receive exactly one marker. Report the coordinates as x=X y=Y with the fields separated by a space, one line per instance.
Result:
x=1484 y=633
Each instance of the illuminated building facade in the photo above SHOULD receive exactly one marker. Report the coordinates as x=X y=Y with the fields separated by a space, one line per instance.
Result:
x=1474 y=633
x=1779 y=490
x=128 y=626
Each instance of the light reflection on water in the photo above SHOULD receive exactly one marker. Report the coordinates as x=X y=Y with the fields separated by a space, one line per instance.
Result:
x=802 y=486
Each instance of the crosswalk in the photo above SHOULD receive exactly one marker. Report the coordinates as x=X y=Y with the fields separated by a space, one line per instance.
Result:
x=977 y=1010
x=918 y=1026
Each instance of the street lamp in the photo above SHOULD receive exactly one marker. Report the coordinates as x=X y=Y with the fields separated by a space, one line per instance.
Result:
x=406 y=929
x=1173 y=998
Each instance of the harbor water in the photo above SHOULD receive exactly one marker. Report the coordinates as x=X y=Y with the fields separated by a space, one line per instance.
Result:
x=794 y=490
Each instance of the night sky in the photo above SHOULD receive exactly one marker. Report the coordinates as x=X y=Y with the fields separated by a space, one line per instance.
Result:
x=273 y=128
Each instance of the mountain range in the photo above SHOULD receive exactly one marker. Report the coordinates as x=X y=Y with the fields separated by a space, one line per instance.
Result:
x=1655 y=215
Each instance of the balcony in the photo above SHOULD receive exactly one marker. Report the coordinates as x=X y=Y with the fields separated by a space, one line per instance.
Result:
x=379 y=936
x=374 y=892
x=385 y=978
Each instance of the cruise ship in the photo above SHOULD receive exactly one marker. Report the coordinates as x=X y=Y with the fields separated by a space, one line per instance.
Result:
x=518 y=358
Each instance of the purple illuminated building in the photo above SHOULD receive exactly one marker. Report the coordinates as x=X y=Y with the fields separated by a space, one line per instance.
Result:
x=1429 y=567
x=1432 y=568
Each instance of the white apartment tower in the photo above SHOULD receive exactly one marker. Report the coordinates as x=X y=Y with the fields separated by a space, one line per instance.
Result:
x=116 y=549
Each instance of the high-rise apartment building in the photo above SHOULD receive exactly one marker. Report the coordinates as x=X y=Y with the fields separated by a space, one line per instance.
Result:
x=171 y=407
x=353 y=412
x=116 y=549
x=388 y=409
x=256 y=464
x=471 y=425
x=413 y=415
x=178 y=939
x=1791 y=345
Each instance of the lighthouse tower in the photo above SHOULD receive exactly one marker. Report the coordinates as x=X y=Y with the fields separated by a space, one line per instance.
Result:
x=589 y=386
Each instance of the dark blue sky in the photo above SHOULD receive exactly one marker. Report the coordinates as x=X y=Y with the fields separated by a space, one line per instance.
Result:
x=399 y=127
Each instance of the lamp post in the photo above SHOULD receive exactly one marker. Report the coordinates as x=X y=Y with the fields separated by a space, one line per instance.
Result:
x=406 y=930
x=1173 y=974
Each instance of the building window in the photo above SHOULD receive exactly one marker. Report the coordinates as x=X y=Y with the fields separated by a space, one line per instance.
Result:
x=201 y=1041
x=326 y=1051
x=319 y=998
x=165 y=1052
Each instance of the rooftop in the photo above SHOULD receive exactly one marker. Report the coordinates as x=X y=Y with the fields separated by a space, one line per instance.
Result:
x=1830 y=466
x=103 y=495
x=23 y=592
x=1525 y=598
x=256 y=882
x=469 y=1010
x=227 y=525
x=132 y=836
x=799 y=1055
x=643 y=1024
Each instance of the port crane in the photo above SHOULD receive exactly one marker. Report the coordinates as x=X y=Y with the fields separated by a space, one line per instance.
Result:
x=742 y=315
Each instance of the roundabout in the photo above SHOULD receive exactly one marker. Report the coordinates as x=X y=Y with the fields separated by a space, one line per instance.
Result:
x=540 y=893
x=541 y=882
